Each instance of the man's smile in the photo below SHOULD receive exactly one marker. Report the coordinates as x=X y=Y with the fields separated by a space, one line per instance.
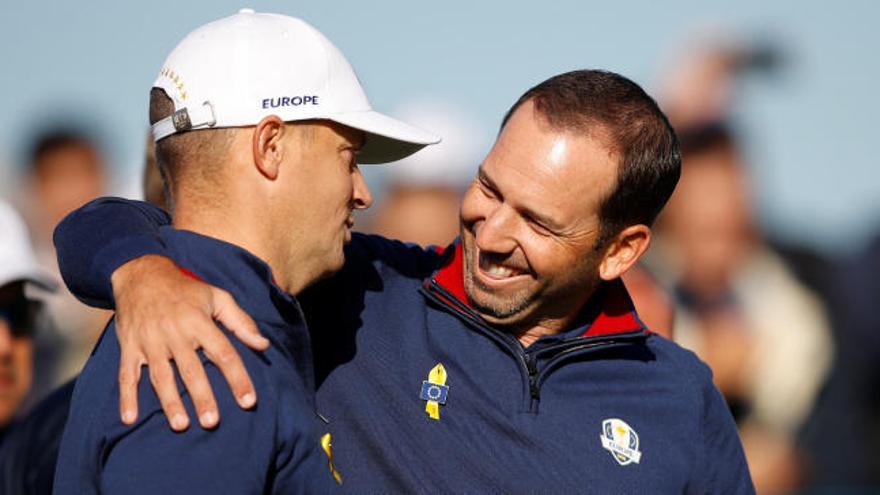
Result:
x=495 y=271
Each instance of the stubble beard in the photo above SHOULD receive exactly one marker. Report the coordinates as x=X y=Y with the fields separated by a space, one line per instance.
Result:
x=495 y=307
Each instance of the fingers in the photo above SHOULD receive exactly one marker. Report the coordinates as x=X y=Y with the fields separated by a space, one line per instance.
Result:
x=220 y=351
x=185 y=324
x=197 y=385
x=162 y=378
x=129 y=376
x=227 y=312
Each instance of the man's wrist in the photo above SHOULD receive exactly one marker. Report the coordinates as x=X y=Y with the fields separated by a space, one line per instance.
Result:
x=137 y=268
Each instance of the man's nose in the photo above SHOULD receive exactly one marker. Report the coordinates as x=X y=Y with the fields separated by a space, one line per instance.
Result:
x=496 y=233
x=361 y=196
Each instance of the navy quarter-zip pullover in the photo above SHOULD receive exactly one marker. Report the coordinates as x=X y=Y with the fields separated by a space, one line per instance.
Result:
x=274 y=448
x=429 y=397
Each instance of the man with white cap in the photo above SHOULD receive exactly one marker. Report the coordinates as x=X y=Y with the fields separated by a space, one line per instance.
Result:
x=258 y=121
x=18 y=267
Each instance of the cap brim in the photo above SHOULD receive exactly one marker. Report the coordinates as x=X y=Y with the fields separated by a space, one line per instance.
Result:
x=388 y=139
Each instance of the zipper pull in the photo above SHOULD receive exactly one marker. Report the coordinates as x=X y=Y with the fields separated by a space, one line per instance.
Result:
x=530 y=364
x=532 y=367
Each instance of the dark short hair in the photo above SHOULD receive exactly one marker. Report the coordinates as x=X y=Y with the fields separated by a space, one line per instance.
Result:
x=194 y=154
x=51 y=139
x=637 y=130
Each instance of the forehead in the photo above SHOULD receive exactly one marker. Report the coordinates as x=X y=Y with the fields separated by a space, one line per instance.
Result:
x=344 y=135
x=563 y=173
x=329 y=133
x=71 y=154
x=713 y=186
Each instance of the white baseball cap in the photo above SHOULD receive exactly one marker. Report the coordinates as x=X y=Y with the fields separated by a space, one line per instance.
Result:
x=17 y=260
x=237 y=70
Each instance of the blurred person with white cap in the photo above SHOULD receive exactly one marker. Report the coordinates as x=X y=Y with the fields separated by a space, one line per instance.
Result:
x=258 y=121
x=27 y=455
x=18 y=268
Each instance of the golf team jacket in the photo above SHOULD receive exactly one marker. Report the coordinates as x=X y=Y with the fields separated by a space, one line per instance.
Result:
x=423 y=395
x=274 y=448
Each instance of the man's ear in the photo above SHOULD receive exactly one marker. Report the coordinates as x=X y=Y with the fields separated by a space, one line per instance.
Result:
x=624 y=250
x=268 y=146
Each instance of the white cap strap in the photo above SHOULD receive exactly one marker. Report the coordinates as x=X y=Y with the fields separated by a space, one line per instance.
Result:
x=184 y=119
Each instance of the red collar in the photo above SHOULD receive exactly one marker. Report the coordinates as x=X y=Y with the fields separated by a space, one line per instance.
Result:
x=616 y=313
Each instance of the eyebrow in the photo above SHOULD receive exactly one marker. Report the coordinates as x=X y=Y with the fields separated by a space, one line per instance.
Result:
x=544 y=220
x=484 y=177
x=356 y=145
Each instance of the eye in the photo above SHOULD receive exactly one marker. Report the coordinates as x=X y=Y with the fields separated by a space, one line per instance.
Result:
x=537 y=226
x=350 y=157
x=488 y=191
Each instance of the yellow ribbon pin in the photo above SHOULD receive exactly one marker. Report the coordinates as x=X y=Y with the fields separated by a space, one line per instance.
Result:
x=327 y=446
x=437 y=376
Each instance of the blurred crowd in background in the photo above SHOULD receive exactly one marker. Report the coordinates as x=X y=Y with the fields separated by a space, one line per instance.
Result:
x=791 y=334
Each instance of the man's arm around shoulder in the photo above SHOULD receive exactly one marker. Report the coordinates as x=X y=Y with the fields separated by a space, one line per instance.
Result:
x=99 y=237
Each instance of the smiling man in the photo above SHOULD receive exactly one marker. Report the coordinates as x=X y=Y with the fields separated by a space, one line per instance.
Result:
x=530 y=226
x=513 y=360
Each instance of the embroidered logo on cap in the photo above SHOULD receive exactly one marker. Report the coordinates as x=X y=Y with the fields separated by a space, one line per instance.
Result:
x=434 y=390
x=621 y=440
x=290 y=101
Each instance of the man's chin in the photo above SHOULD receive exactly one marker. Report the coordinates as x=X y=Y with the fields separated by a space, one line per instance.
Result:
x=497 y=309
x=332 y=265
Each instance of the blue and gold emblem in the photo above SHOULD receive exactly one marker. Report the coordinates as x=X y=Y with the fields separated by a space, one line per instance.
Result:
x=434 y=390
x=621 y=441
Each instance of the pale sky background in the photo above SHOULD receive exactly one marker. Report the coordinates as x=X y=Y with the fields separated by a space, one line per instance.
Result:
x=811 y=128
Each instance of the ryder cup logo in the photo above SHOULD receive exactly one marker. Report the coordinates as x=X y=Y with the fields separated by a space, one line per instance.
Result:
x=621 y=440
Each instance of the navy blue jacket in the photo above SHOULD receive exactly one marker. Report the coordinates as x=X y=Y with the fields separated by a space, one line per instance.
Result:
x=605 y=407
x=29 y=452
x=274 y=448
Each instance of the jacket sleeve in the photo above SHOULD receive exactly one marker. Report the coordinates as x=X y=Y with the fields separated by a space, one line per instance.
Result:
x=101 y=236
x=723 y=467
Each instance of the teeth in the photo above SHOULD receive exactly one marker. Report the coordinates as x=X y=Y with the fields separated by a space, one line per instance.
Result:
x=499 y=271
x=495 y=269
